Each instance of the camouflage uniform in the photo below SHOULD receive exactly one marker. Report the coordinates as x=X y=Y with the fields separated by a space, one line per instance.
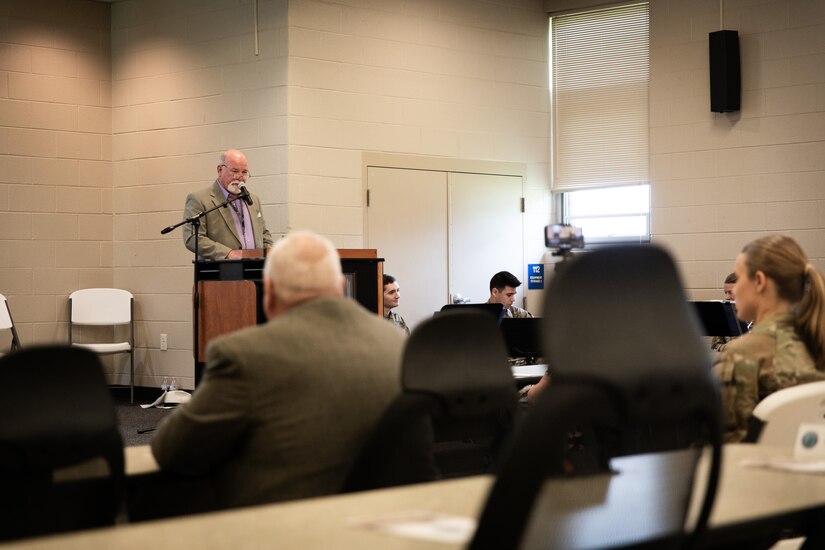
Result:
x=769 y=358
x=514 y=312
x=718 y=343
x=398 y=321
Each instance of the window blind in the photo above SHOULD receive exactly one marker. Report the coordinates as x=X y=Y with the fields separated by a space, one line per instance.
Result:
x=600 y=67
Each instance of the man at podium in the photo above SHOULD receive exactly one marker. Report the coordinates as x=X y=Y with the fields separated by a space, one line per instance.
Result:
x=224 y=232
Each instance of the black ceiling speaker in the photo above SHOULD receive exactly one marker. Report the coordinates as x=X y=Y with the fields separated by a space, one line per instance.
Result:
x=723 y=47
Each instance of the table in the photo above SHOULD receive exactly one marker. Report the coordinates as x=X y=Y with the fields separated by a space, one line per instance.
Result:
x=747 y=500
x=139 y=460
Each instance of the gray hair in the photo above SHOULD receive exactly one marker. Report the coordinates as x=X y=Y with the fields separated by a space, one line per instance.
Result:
x=303 y=265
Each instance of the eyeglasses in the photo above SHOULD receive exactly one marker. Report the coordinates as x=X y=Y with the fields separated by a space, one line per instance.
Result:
x=236 y=172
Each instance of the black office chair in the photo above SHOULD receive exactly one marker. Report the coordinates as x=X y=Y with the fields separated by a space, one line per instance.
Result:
x=631 y=370
x=57 y=413
x=455 y=412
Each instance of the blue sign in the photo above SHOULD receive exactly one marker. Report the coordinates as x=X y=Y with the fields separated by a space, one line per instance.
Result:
x=535 y=276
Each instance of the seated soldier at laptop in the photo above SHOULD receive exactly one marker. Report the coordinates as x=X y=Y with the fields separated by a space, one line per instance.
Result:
x=503 y=291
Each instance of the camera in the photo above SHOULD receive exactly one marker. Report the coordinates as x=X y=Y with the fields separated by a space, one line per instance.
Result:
x=563 y=237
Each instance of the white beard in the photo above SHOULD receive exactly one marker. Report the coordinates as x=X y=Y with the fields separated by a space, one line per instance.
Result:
x=234 y=187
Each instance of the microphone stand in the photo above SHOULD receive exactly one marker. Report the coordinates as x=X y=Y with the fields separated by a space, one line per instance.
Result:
x=195 y=222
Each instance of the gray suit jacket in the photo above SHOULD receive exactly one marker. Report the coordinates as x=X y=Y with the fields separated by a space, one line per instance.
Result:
x=217 y=235
x=284 y=408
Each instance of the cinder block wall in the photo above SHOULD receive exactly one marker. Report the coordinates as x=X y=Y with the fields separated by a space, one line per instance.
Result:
x=55 y=159
x=444 y=79
x=187 y=84
x=332 y=79
x=439 y=79
x=721 y=180
x=451 y=79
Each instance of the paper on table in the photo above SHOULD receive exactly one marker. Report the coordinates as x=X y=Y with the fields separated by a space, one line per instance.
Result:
x=787 y=465
x=424 y=525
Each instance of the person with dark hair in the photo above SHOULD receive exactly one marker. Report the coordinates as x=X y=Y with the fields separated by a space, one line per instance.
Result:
x=729 y=285
x=784 y=295
x=718 y=343
x=503 y=291
x=392 y=293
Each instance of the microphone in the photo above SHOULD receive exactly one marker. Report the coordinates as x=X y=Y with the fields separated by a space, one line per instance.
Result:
x=245 y=195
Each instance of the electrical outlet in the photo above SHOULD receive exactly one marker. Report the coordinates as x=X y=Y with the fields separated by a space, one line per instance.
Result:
x=164 y=342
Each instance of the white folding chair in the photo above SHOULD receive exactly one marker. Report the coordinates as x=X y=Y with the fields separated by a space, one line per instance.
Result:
x=7 y=323
x=102 y=307
x=783 y=411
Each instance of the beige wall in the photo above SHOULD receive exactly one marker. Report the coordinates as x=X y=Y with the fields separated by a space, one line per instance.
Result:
x=444 y=79
x=720 y=180
x=186 y=86
x=450 y=79
x=331 y=81
x=55 y=159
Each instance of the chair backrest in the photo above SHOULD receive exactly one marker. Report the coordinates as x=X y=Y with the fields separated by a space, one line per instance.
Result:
x=58 y=412
x=780 y=414
x=627 y=360
x=455 y=412
x=459 y=356
x=101 y=306
x=7 y=323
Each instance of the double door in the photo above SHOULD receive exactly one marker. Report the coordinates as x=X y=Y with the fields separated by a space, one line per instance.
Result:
x=444 y=234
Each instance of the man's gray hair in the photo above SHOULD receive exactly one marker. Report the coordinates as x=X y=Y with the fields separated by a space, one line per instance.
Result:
x=303 y=265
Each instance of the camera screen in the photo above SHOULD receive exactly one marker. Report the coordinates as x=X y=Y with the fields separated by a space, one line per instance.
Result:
x=563 y=236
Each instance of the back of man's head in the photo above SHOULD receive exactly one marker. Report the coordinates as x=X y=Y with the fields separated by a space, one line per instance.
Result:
x=503 y=279
x=303 y=265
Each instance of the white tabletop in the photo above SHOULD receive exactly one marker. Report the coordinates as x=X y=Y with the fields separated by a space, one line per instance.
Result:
x=340 y=521
x=139 y=460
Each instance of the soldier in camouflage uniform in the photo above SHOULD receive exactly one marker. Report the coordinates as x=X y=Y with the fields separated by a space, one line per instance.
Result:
x=392 y=293
x=767 y=359
x=503 y=291
x=784 y=295
x=718 y=343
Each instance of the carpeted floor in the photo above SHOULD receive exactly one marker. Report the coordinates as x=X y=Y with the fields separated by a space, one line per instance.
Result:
x=133 y=418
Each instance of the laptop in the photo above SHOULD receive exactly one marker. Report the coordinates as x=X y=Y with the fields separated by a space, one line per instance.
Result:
x=718 y=318
x=495 y=310
x=523 y=337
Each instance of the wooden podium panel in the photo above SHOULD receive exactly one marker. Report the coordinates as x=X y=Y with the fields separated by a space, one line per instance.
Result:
x=229 y=292
x=225 y=306
x=364 y=272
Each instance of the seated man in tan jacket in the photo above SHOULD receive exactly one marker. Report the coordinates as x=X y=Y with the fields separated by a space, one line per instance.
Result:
x=285 y=407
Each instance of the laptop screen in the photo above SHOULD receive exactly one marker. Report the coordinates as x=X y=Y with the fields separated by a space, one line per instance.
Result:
x=495 y=310
x=523 y=337
x=718 y=318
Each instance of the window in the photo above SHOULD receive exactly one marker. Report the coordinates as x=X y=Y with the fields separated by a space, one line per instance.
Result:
x=599 y=66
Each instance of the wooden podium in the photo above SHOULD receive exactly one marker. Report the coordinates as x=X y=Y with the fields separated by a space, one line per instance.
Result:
x=231 y=292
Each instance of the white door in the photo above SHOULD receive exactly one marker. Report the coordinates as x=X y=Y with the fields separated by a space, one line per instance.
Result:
x=407 y=224
x=486 y=233
x=444 y=233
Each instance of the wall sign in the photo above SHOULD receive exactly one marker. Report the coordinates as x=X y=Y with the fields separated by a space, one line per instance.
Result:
x=535 y=276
